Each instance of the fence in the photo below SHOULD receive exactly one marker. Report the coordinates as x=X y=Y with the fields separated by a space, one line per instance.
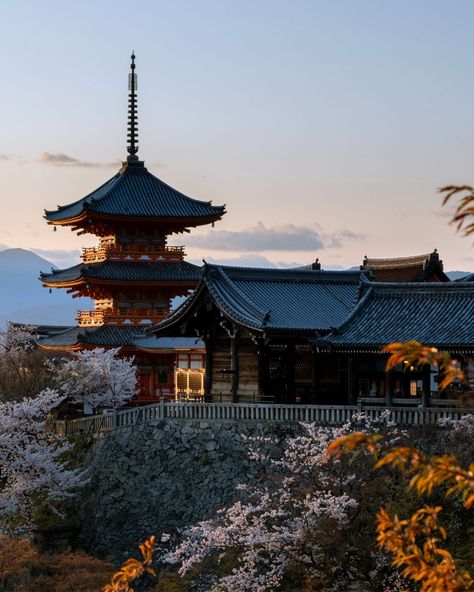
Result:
x=320 y=414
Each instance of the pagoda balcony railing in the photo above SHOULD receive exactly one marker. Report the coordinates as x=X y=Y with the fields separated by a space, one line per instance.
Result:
x=120 y=317
x=132 y=253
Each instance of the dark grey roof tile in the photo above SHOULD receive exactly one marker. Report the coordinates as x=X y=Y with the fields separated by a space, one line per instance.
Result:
x=135 y=192
x=151 y=271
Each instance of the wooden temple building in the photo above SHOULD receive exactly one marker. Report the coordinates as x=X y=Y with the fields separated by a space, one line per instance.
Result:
x=133 y=273
x=420 y=268
x=294 y=336
x=315 y=337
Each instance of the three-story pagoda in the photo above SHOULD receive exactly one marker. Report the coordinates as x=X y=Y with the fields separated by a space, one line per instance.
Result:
x=133 y=273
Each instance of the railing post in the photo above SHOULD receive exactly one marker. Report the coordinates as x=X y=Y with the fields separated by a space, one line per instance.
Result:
x=114 y=419
x=162 y=409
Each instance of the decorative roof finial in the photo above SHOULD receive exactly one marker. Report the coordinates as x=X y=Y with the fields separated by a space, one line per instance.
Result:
x=132 y=131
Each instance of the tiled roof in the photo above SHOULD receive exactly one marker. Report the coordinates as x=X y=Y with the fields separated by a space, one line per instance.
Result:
x=150 y=342
x=417 y=268
x=135 y=192
x=277 y=299
x=437 y=314
x=132 y=336
x=396 y=262
x=130 y=271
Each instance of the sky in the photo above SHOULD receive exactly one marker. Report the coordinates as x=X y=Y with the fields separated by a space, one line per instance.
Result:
x=326 y=127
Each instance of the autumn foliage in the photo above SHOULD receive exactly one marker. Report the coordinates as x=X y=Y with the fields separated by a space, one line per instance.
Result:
x=415 y=544
x=464 y=211
x=413 y=354
x=132 y=569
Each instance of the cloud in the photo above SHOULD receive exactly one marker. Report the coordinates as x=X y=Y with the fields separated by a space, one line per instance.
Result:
x=287 y=237
x=4 y=157
x=60 y=159
x=335 y=240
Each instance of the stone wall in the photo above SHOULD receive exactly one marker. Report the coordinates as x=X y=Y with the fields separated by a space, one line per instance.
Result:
x=158 y=476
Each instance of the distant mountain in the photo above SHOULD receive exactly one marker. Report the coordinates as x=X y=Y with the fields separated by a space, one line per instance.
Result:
x=456 y=275
x=22 y=297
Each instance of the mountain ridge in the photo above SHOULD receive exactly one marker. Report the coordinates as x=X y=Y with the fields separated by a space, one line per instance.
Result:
x=22 y=297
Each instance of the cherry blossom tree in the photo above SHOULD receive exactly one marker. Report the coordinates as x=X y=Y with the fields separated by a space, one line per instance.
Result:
x=298 y=528
x=31 y=465
x=97 y=377
x=23 y=367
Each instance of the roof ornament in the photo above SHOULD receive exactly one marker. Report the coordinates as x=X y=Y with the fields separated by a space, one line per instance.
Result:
x=132 y=129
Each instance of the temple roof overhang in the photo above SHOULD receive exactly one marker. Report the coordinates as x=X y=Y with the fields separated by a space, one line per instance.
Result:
x=136 y=194
x=436 y=314
x=271 y=300
x=155 y=345
x=417 y=268
x=137 y=273
x=76 y=338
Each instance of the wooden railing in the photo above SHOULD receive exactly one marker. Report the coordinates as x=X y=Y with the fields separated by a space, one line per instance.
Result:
x=330 y=415
x=132 y=253
x=119 y=316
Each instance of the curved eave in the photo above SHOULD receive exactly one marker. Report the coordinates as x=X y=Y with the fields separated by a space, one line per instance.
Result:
x=87 y=216
x=187 y=309
x=364 y=348
x=84 y=280
x=74 y=347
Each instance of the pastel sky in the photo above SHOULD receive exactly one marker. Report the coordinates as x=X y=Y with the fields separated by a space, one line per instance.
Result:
x=325 y=126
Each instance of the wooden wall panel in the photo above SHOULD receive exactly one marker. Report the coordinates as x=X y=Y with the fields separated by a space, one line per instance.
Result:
x=221 y=364
x=248 y=371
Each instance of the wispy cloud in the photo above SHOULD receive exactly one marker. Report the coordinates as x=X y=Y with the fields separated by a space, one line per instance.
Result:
x=64 y=160
x=287 y=237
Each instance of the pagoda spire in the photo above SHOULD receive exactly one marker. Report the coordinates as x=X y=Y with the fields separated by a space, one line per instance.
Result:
x=132 y=128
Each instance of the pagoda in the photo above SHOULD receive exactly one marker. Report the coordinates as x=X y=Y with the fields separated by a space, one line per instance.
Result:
x=133 y=273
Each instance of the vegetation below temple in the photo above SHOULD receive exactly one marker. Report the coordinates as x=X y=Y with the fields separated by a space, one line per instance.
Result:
x=159 y=478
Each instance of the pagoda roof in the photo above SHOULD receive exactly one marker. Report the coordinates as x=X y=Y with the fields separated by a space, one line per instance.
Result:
x=124 y=271
x=134 y=192
x=436 y=314
x=274 y=299
x=416 y=268
x=107 y=336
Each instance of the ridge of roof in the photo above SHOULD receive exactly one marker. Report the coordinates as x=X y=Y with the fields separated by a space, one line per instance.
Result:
x=250 y=313
x=135 y=192
x=59 y=208
x=396 y=261
x=365 y=297
x=285 y=274
x=438 y=314
x=421 y=287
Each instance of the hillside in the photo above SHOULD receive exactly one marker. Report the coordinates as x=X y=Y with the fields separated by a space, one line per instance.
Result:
x=22 y=297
